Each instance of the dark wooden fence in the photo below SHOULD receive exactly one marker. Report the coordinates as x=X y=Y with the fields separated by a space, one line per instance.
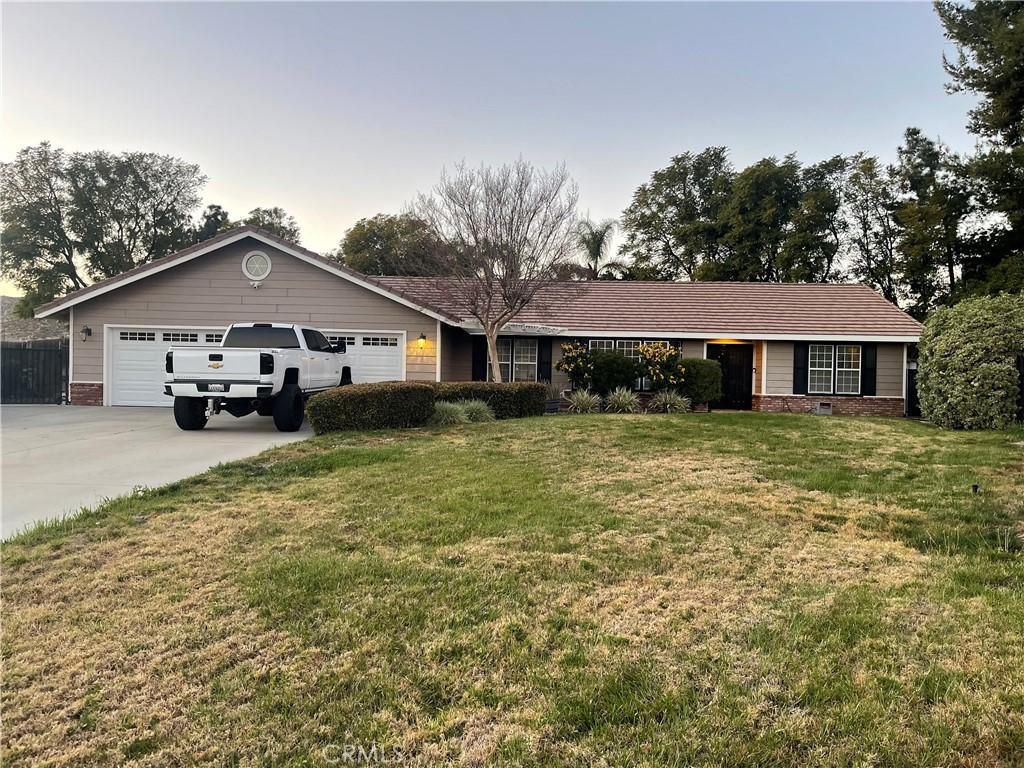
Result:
x=33 y=372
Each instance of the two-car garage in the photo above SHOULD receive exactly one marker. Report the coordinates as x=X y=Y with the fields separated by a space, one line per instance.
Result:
x=135 y=368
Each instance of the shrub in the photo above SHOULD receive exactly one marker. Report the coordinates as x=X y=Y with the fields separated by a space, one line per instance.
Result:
x=622 y=400
x=611 y=370
x=702 y=383
x=669 y=401
x=583 y=401
x=661 y=365
x=448 y=414
x=476 y=410
x=967 y=377
x=371 y=406
x=508 y=401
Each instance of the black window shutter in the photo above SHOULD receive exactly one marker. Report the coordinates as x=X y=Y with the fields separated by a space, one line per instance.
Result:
x=868 y=368
x=544 y=359
x=479 y=358
x=800 y=367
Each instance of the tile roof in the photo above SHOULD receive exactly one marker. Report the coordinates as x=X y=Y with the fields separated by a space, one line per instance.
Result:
x=722 y=309
x=14 y=328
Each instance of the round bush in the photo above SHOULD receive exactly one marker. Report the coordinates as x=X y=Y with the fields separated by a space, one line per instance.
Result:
x=622 y=400
x=371 y=406
x=476 y=410
x=611 y=370
x=702 y=380
x=448 y=414
x=967 y=369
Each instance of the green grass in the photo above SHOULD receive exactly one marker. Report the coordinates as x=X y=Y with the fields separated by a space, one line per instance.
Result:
x=727 y=589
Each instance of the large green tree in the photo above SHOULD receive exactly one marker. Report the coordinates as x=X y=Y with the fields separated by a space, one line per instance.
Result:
x=70 y=218
x=989 y=38
x=275 y=220
x=935 y=199
x=388 y=244
x=811 y=251
x=756 y=222
x=872 y=196
x=673 y=224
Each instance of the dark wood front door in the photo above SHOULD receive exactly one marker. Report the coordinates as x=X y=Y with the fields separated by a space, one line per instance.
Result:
x=737 y=374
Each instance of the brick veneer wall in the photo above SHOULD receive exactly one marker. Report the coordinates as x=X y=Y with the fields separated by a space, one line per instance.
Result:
x=842 y=406
x=86 y=394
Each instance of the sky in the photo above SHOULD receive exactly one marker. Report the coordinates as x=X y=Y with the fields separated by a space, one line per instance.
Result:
x=340 y=111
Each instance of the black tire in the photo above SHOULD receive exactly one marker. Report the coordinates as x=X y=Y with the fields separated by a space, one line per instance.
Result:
x=190 y=412
x=289 y=409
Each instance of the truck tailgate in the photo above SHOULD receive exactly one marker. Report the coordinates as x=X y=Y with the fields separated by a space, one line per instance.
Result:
x=216 y=364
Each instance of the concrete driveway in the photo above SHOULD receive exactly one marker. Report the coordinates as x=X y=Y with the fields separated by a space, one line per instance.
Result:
x=57 y=459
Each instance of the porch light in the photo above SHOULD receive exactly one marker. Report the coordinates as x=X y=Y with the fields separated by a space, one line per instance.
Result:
x=85 y=333
x=422 y=340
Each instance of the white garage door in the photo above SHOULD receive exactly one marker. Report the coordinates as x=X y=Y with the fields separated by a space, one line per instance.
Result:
x=373 y=356
x=137 y=361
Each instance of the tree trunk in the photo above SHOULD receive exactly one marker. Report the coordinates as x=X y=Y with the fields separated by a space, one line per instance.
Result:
x=492 y=353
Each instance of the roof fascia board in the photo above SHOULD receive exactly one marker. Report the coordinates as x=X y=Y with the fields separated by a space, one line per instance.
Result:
x=902 y=338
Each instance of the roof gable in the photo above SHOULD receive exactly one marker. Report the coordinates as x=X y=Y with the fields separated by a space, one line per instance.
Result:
x=226 y=238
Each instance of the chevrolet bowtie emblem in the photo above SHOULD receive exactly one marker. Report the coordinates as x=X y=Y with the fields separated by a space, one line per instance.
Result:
x=216 y=365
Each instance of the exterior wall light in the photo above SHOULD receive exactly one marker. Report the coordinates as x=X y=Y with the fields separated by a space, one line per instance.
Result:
x=422 y=340
x=85 y=333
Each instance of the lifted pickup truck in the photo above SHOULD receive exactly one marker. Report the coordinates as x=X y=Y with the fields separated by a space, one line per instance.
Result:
x=269 y=368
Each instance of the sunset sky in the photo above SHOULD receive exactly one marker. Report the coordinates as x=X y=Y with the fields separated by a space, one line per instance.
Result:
x=340 y=111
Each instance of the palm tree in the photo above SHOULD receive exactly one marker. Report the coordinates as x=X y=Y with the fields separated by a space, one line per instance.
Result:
x=595 y=240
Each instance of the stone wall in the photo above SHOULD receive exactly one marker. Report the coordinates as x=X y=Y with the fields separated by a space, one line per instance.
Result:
x=841 y=406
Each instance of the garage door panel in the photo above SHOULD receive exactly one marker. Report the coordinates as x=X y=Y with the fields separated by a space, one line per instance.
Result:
x=372 y=356
x=137 y=361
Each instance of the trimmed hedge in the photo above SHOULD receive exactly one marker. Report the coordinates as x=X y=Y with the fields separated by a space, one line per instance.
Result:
x=967 y=370
x=702 y=380
x=508 y=401
x=371 y=406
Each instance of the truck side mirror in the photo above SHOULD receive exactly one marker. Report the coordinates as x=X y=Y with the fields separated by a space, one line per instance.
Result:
x=340 y=348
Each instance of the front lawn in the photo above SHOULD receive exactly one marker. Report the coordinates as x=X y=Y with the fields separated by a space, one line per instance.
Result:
x=593 y=590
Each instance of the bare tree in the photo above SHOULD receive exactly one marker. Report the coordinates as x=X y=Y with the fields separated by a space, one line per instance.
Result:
x=503 y=234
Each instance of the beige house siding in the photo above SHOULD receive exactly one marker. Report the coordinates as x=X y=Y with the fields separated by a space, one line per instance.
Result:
x=693 y=347
x=456 y=354
x=779 y=367
x=211 y=291
x=889 y=372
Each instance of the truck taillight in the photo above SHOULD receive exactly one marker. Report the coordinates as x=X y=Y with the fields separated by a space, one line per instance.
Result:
x=266 y=363
x=169 y=364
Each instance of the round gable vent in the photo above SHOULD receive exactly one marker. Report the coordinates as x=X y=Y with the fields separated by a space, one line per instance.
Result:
x=256 y=265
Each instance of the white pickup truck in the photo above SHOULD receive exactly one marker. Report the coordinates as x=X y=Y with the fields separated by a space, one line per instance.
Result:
x=269 y=368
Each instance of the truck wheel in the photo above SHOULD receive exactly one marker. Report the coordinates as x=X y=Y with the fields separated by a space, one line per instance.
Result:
x=190 y=412
x=289 y=409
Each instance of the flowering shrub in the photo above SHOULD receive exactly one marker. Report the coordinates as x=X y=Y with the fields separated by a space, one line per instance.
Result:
x=662 y=366
x=577 y=364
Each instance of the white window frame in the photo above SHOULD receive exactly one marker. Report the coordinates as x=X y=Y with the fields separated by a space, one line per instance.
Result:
x=830 y=368
x=602 y=345
x=507 y=362
x=859 y=368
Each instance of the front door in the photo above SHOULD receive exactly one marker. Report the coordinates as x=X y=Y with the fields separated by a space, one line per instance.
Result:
x=737 y=362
